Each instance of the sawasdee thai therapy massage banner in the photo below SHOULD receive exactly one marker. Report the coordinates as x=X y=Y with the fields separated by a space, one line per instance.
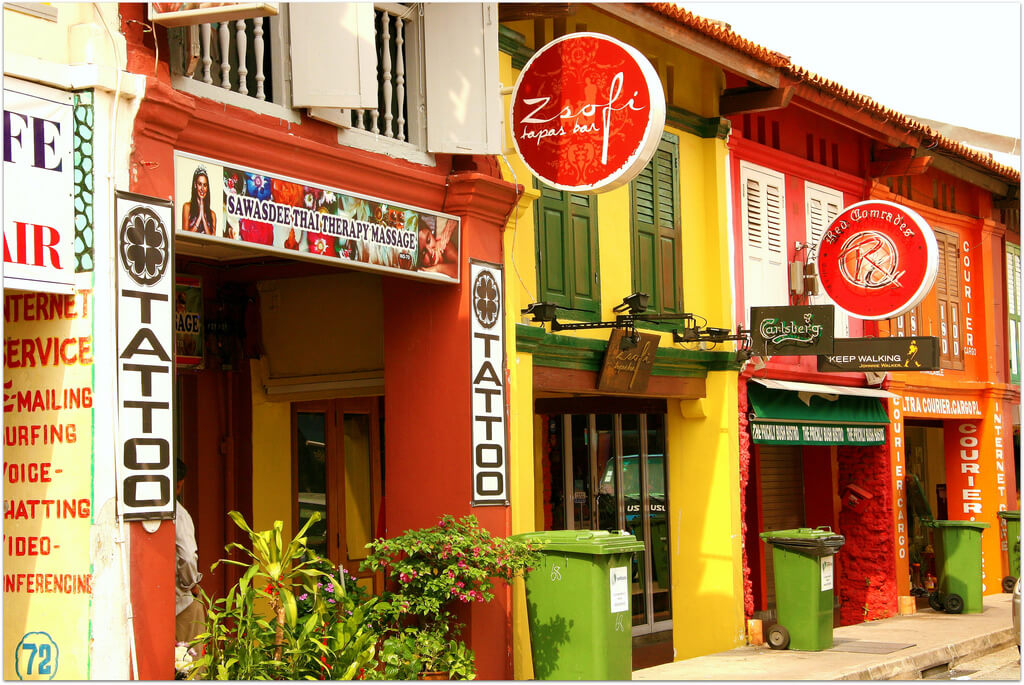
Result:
x=235 y=204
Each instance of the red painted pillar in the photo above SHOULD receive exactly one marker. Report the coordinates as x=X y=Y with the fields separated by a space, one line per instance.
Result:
x=152 y=566
x=428 y=407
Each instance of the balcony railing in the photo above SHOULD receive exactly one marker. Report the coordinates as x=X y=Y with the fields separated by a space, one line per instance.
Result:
x=244 y=59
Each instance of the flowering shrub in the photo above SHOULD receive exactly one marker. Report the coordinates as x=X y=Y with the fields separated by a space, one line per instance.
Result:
x=183 y=658
x=456 y=560
x=432 y=570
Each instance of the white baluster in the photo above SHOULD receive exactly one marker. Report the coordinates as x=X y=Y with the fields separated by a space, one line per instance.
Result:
x=204 y=39
x=225 y=66
x=400 y=75
x=385 y=68
x=241 y=47
x=258 y=49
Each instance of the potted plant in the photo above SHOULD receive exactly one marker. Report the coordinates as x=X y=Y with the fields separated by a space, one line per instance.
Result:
x=432 y=570
x=334 y=639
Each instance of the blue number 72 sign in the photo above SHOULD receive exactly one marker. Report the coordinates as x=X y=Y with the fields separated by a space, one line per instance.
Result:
x=35 y=657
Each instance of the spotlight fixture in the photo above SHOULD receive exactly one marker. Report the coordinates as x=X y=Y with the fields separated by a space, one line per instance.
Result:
x=631 y=311
x=634 y=304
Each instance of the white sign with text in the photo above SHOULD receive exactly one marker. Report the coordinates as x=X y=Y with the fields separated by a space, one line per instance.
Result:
x=145 y=365
x=487 y=328
x=39 y=187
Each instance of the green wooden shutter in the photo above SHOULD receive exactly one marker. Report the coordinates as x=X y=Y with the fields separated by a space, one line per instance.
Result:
x=656 y=243
x=567 y=263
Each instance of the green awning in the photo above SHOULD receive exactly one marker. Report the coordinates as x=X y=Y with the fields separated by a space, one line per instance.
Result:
x=817 y=415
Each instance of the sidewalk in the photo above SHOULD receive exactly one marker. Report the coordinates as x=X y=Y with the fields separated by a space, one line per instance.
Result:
x=915 y=645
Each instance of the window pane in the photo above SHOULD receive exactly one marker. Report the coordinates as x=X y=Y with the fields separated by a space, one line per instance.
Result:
x=633 y=499
x=312 y=477
x=607 y=491
x=358 y=487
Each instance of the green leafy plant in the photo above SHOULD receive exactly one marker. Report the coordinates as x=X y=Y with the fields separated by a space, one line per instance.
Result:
x=333 y=639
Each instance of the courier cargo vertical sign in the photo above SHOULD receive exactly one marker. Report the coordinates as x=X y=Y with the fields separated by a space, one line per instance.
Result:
x=145 y=365
x=490 y=448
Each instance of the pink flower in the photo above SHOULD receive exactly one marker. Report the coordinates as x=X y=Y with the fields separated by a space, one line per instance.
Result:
x=451 y=574
x=403 y=577
x=460 y=584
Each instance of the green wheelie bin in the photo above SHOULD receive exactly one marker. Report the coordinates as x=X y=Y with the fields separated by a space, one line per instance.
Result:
x=578 y=604
x=803 y=563
x=1012 y=521
x=958 y=555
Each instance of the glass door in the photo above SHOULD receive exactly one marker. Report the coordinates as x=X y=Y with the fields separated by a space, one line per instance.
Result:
x=613 y=475
x=336 y=446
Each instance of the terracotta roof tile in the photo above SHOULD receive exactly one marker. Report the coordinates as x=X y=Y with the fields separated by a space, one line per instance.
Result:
x=930 y=137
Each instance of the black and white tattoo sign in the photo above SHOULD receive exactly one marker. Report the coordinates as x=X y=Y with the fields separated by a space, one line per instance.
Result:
x=487 y=328
x=145 y=349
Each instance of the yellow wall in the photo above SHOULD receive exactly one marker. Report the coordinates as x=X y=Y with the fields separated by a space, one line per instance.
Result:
x=702 y=434
x=324 y=307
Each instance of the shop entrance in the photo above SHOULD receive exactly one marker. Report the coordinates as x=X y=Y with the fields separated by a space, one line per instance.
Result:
x=607 y=472
x=926 y=498
x=337 y=471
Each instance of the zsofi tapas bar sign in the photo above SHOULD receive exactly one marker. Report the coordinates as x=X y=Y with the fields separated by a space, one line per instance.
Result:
x=877 y=259
x=236 y=205
x=587 y=113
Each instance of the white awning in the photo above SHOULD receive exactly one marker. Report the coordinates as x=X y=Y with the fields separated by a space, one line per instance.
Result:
x=822 y=389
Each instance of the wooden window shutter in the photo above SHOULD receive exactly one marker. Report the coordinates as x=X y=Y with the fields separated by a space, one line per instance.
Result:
x=763 y=202
x=1013 y=292
x=567 y=250
x=947 y=290
x=464 y=104
x=823 y=205
x=656 y=241
x=333 y=55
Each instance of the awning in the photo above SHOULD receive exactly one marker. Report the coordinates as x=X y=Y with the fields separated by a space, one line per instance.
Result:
x=793 y=413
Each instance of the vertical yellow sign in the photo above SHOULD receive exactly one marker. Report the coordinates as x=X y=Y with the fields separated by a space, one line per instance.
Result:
x=48 y=438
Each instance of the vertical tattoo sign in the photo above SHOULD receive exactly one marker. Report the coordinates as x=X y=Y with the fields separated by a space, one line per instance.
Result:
x=490 y=448
x=145 y=364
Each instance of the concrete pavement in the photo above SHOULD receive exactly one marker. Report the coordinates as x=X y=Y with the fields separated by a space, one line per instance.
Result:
x=923 y=644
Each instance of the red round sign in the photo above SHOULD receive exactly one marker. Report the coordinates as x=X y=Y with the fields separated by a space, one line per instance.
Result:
x=877 y=259
x=587 y=113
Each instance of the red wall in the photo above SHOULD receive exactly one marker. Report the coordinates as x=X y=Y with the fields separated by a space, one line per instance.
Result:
x=866 y=587
x=428 y=430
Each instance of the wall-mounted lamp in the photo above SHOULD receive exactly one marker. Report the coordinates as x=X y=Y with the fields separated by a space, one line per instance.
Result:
x=631 y=311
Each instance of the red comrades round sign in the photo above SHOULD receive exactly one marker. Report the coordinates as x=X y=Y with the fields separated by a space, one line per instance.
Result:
x=878 y=259
x=587 y=113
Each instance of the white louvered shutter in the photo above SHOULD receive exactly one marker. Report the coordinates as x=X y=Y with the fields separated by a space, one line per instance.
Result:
x=823 y=205
x=464 y=106
x=765 y=272
x=333 y=55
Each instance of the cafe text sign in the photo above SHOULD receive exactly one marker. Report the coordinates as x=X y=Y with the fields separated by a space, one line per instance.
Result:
x=587 y=113
x=39 y=209
x=882 y=354
x=627 y=367
x=877 y=259
x=781 y=331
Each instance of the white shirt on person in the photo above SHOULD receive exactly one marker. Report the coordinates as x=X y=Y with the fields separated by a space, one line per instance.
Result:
x=187 y=567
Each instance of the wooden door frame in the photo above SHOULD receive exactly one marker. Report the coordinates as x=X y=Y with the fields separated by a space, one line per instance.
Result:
x=334 y=410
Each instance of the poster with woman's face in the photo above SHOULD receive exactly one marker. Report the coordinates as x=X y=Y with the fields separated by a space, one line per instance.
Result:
x=265 y=212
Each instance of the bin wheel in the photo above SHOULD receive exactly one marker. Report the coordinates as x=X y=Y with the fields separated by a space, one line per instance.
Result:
x=778 y=637
x=1008 y=582
x=935 y=602
x=954 y=604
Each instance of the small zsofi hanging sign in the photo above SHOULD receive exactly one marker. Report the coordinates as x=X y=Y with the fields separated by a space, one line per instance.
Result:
x=587 y=113
x=792 y=331
x=627 y=367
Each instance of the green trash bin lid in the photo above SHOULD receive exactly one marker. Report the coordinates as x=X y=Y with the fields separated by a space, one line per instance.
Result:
x=815 y=541
x=1009 y=515
x=956 y=524
x=595 y=542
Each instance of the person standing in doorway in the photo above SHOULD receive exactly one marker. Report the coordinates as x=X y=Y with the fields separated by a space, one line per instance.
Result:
x=190 y=617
